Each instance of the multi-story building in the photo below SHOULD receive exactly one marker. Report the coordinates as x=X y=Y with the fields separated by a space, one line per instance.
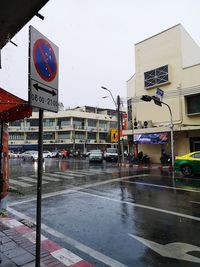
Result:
x=81 y=128
x=170 y=61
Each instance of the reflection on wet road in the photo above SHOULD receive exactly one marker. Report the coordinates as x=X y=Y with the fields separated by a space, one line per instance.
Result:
x=112 y=216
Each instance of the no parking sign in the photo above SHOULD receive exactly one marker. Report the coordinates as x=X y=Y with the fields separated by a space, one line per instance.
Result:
x=43 y=72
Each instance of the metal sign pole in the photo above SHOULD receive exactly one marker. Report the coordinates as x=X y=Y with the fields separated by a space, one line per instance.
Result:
x=118 y=126
x=39 y=189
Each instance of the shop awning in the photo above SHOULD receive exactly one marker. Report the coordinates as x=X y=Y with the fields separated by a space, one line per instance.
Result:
x=12 y=107
x=14 y=15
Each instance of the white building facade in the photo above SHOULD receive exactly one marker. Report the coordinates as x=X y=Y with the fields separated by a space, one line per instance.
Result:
x=82 y=128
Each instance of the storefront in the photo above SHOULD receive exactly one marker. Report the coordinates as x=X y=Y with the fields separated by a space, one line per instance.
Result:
x=11 y=108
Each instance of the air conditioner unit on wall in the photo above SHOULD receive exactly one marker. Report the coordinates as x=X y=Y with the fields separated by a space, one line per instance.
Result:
x=147 y=124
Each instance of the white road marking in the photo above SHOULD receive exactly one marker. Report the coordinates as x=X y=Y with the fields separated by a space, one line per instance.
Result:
x=76 y=188
x=164 y=186
x=48 y=178
x=28 y=179
x=66 y=257
x=70 y=174
x=176 y=250
x=93 y=253
x=17 y=182
x=144 y=206
x=57 y=175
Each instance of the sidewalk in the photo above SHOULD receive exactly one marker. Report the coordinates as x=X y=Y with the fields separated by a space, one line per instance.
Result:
x=17 y=248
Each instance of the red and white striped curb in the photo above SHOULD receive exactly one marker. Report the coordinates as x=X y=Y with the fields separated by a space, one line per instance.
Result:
x=61 y=254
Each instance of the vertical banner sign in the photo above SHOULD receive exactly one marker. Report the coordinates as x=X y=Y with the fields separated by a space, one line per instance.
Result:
x=43 y=72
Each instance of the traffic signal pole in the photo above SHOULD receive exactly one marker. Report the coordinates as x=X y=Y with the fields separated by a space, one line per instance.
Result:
x=158 y=102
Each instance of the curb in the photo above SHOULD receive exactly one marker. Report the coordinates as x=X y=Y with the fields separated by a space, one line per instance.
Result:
x=64 y=256
x=143 y=166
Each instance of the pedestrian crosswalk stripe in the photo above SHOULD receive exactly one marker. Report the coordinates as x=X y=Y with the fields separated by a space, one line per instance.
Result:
x=48 y=178
x=71 y=174
x=17 y=182
x=57 y=175
x=82 y=173
x=28 y=179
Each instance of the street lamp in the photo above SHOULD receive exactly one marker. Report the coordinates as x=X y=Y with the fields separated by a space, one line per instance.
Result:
x=117 y=106
x=157 y=101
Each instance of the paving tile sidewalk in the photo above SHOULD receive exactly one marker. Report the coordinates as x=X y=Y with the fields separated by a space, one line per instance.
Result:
x=17 y=248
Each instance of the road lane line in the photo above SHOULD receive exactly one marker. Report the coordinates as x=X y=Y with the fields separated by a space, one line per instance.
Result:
x=144 y=206
x=164 y=186
x=76 y=244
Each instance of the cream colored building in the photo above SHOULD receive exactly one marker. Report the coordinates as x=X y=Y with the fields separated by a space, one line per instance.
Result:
x=82 y=128
x=170 y=61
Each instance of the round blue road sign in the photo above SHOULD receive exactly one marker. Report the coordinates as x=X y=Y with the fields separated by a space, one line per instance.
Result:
x=44 y=60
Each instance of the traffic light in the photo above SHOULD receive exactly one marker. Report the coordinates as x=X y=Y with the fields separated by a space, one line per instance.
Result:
x=157 y=101
x=146 y=98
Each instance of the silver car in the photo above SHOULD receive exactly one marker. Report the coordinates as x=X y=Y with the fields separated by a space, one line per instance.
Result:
x=95 y=156
x=30 y=155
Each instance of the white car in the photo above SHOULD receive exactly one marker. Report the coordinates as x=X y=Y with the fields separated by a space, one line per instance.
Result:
x=47 y=154
x=111 y=154
x=30 y=155
x=96 y=156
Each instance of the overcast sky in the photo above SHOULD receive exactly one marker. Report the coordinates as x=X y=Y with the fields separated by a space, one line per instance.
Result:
x=96 y=44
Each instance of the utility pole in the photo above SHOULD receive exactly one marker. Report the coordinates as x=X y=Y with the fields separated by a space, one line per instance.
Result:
x=118 y=122
x=74 y=138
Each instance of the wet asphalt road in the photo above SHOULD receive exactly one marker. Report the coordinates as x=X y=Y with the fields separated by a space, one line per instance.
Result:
x=112 y=216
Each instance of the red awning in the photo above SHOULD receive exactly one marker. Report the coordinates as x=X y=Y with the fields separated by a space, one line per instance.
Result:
x=12 y=107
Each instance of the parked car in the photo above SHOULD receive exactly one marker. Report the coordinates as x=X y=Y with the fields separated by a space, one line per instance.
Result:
x=12 y=155
x=188 y=164
x=96 y=156
x=47 y=154
x=30 y=155
x=111 y=154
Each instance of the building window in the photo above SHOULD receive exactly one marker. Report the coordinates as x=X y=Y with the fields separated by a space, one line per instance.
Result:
x=32 y=136
x=103 y=125
x=91 y=136
x=64 y=122
x=103 y=136
x=78 y=123
x=49 y=136
x=15 y=123
x=64 y=135
x=156 y=77
x=92 y=123
x=113 y=124
x=193 y=104
x=48 y=122
x=16 y=136
x=33 y=122
x=79 y=135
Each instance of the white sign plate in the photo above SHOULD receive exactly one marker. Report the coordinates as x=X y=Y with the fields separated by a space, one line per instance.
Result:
x=43 y=72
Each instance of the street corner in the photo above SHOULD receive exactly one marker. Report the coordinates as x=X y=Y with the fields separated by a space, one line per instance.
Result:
x=22 y=236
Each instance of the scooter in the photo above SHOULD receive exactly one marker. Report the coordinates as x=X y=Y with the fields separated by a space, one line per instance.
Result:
x=166 y=158
x=141 y=158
